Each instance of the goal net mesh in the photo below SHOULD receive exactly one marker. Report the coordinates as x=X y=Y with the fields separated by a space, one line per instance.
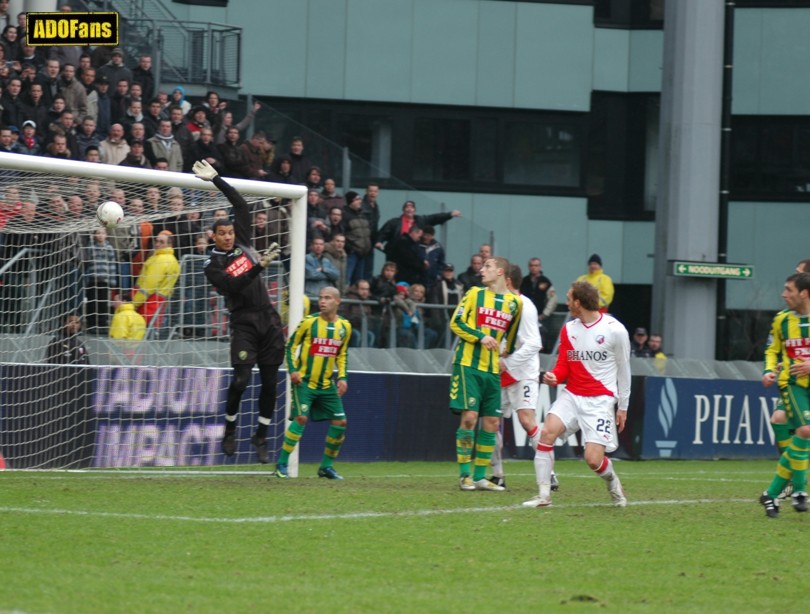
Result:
x=99 y=395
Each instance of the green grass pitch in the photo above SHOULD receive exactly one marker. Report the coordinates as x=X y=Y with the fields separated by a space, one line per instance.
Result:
x=398 y=537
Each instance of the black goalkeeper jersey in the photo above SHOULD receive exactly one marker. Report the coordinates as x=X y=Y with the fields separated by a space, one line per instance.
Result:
x=236 y=274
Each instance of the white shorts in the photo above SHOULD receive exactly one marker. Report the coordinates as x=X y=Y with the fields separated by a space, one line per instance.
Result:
x=521 y=395
x=594 y=415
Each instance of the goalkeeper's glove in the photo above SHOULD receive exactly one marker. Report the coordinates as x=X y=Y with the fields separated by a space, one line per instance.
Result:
x=270 y=254
x=204 y=170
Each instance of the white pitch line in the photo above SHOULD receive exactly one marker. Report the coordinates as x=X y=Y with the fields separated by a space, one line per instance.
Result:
x=348 y=516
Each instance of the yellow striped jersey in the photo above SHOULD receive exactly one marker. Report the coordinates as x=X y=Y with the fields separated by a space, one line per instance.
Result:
x=789 y=343
x=316 y=347
x=482 y=312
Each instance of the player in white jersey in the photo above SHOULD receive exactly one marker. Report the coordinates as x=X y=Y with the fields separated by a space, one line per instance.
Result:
x=594 y=364
x=520 y=372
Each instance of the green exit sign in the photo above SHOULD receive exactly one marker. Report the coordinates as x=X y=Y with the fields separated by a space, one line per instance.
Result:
x=718 y=270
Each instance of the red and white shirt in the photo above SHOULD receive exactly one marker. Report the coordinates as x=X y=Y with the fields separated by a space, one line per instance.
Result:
x=594 y=359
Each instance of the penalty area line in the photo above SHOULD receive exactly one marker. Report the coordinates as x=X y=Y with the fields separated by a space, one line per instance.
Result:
x=346 y=516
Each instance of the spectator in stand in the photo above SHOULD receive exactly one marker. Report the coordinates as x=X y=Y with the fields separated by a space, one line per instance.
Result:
x=356 y=313
x=226 y=122
x=58 y=148
x=434 y=254
x=161 y=164
x=7 y=142
x=127 y=324
x=15 y=111
x=178 y=99
x=136 y=157
x=320 y=272
x=115 y=70
x=119 y=100
x=11 y=43
x=205 y=149
x=183 y=225
x=198 y=292
x=66 y=127
x=654 y=345
x=103 y=106
x=316 y=217
x=142 y=74
x=600 y=280
x=409 y=254
x=143 y=231
x=335 y=251
x=447 y=291
x=329 y=197
x=411 y=318
x=282 y=172
x=87 y=136
x=91 y=154
x=100 y=277
x=358 y=237
x=5 y=15
x=164 y=145
x=197 y=120
x=135 y=92
x=399 y=226
x=233 y=156
x=313 y=180
x=300 y=163
x=638 y=345
x=49 y=79
x=137 y=133
x=157 y=280
x=214 y=107
x=152 y=117
x=537 y=287
x=37 y=109
x=371 y=209
x=472 y=276
x=335 y=224
x=134 y=115
x=73 y=90
x=114 y=148
x=486 y=251
x=32 y=56
x=181 y=135
x=384 y=286
x=28 y=142
x=66 y=348
x=254 y=149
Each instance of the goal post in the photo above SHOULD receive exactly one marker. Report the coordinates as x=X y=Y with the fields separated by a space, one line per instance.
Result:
x=156 y=401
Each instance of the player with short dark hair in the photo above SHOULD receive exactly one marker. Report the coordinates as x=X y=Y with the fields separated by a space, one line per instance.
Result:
x=320 y=343
x=257 y=336
x=594 y=363
x=485 y=317
x=790 y=348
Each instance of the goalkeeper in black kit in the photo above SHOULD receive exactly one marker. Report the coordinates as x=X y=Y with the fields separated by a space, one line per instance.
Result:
x=257 y=337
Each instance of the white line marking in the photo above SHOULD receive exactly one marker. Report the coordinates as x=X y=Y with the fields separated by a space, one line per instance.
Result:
x=348 y=516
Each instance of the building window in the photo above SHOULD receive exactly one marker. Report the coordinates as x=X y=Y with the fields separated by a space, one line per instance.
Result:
x=441 y=150
x=770 y=157
x=640 y=14
x=542 y=153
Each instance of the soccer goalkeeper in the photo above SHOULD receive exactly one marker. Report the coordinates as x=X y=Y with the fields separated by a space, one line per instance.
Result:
x=257 y=336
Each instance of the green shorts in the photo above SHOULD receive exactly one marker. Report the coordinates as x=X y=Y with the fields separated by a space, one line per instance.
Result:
x=317 y=404
x=796 y=401
x=474 y=390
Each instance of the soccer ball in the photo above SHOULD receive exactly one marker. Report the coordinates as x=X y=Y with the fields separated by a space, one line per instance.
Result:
x=110 y=214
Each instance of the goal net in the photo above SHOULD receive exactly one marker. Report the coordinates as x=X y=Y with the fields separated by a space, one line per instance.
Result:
x=83 y=386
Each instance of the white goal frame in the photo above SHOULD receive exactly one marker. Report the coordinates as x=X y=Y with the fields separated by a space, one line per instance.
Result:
x=298 y=215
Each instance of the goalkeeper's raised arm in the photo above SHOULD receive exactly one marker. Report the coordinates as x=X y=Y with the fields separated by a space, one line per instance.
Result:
x=241 y=209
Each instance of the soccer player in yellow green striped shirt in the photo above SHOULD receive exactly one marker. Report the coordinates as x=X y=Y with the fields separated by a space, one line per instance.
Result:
x=790 y=347
x=484 y=318
x=320 y=343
